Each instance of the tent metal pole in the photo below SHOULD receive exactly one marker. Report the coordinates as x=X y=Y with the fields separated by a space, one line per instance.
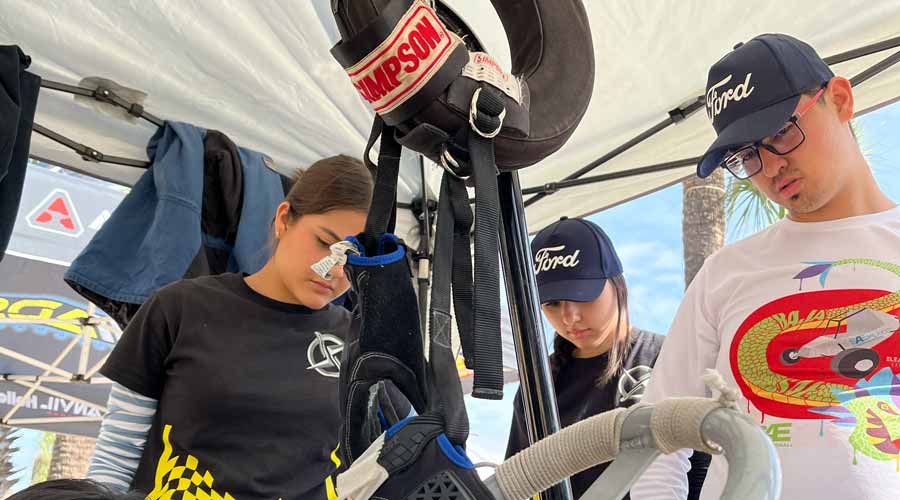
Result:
x=59 y=420
x=50 y=392
x=876 y=68
x=609 y=156
x=106 y=95
x=40 y=321
x=536 y=384
x=890 y=43
x=33 y=362
x=57 y=379
x=692 y=106
x=88 y=153
x=94 y=369
x=423 y=257
x=552 y=187
x=85 y=343
x=37 y=384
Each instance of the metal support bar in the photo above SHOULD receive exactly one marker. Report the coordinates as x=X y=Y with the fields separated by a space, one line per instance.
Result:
x=106 y=95
x=55 y=420
x=41 y=321
x=34 y=362
x=878 y=67
x=612 y=154
x=423 y=254
x=54 y=379
x=69 y=89
x=891 y=43
x=50 y=392
x=88 y=153
x=679 y=114
x=37 y=384
x=76 y=168
x=96 y=368
x=86 y=337
x=552 y=187
x=538 y=397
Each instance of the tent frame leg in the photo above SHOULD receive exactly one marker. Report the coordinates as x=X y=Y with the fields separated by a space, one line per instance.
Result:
x=536 y=384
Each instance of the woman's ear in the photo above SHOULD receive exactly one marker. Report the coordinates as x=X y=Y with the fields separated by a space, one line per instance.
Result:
x=282 y=217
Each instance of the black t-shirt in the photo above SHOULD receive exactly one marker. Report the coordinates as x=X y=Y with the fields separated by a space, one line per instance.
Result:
x=578 y=396
x=240 y=412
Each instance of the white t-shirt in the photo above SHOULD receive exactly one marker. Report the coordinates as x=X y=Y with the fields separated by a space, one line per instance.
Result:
x=764 y=313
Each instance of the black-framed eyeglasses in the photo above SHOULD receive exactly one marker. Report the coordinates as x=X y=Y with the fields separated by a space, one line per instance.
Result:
x=746 y=162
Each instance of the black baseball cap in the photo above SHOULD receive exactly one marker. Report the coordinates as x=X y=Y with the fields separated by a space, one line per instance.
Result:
x=754 y=89
x=573 y=258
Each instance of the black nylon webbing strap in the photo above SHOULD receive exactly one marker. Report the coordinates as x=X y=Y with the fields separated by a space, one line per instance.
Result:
x=488 y=382
x=383 y=210
x=446 y=397
x=463 y=294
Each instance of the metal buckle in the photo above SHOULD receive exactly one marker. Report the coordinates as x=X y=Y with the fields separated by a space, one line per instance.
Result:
x=473 y=114
x=450 y=165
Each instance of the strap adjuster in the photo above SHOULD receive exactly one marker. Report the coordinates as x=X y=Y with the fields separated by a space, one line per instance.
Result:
x=473 y=116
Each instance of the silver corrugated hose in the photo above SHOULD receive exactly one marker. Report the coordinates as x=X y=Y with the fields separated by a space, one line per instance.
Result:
x=579 y=447
x=706 y=424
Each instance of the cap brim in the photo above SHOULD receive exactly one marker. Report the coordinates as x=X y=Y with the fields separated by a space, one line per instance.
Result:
x=580 y=290
x=750 y=128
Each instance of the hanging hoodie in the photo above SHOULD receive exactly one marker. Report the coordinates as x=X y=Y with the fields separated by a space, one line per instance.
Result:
x=18 y=100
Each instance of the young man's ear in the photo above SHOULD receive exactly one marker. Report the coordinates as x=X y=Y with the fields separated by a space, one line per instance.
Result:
x=840 y=98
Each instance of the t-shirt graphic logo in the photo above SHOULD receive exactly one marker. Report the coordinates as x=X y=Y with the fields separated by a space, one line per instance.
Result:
x=716 y=102
x=543 y=261
x=324 y=355
x=633 y=383
x=56 y=214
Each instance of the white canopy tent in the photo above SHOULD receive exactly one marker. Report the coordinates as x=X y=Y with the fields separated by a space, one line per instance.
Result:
x=261 y=72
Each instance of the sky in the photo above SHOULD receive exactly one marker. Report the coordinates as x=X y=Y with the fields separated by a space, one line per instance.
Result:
x=651 y=252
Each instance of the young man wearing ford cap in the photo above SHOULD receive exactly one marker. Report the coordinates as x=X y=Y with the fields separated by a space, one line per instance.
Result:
x=803 y=316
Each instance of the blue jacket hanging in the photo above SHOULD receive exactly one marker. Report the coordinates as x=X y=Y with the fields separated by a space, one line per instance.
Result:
x=155 y=234
x=152 y=236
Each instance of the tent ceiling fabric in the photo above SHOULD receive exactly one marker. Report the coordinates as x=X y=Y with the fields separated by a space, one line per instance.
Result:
x=262 y=73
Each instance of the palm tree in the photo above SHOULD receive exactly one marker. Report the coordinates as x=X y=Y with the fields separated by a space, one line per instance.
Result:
x=703 y=220
x=41 y=466
x=747 y=209
x=702 y=234
x=71 y=456
x=8 y=437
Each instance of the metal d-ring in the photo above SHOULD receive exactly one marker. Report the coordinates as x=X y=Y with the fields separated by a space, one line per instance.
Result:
x=473 y=114
x=449 y=164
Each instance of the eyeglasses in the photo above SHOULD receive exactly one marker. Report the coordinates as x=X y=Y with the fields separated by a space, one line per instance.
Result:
x=746 y=161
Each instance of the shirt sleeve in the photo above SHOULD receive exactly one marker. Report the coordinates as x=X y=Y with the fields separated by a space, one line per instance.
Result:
x=123 y=435
x=691 y=346
x=138 y=360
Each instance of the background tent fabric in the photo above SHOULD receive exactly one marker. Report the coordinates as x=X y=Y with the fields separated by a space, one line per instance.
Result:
x=262 y=73
x=48 y=356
